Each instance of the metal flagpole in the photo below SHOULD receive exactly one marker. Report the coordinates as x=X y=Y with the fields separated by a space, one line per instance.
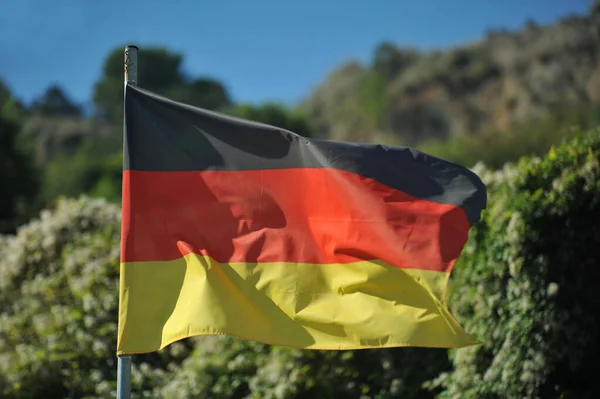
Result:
x=124 y=361
x=123 y=377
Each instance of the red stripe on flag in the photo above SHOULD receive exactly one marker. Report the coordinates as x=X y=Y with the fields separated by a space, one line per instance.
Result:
x=317 y=216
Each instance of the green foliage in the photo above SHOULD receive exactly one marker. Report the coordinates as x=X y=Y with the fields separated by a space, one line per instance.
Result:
x=6 y=96
x=74 y=156
x=49 y=136
x=373 y=99
x=275 y=115
x=55 y=102
x=526 y=282
x=203 y=93
x=58 y=307
x=402 y=93
x=219 y=368
x=94 y=167
x=18 y=177
x=497 y=83
x=495 y=149
x=389 y=61
x=459 y=70
x=160 y=71
x=158 y=68
x=229 y=368
x=333 y=107
x=58 y=302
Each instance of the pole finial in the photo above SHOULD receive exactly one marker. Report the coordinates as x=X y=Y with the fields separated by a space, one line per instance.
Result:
x=131 y=64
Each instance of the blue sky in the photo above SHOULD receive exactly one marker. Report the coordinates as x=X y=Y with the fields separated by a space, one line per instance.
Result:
x=260 y=49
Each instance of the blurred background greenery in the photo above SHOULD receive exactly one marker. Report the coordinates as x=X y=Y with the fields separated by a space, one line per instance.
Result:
x=522 y=108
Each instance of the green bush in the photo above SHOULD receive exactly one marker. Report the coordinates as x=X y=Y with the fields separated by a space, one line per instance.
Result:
x=526 y=283
x=58 y=307
x=229 y=368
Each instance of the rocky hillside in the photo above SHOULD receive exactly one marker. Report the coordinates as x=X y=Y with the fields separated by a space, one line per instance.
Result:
x=507 y=78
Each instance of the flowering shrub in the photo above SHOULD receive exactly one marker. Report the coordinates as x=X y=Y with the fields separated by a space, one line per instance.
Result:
x=222 y=368
x=58 y=305
x=526 y=283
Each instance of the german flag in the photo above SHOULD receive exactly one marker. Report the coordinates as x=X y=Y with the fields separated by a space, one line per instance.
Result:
x=238 y=228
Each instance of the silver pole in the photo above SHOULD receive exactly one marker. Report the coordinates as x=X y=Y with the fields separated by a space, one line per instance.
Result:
x=124 y=377
x=131 y=64
x=124 y=362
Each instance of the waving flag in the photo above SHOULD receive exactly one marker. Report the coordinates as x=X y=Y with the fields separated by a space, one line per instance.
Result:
x=237 y=228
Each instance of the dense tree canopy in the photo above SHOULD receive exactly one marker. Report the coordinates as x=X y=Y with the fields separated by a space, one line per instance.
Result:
x=275 y=115
x=160 y=71
x=56 y=103
x=18 y=178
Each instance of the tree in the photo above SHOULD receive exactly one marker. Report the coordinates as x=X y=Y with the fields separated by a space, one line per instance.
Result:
x=203 y=93
x=160 y=71
x=6 y=96
x=275 y=115
x=93 y=168
x=55 y=102
x=18 y=177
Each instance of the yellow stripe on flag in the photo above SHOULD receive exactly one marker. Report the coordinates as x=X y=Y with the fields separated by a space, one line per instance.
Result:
x=366 y=304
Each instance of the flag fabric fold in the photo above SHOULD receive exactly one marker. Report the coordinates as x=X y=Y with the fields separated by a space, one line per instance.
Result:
x=238 y=228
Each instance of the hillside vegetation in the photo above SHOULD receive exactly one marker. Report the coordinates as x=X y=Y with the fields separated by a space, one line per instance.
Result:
x=504 y=80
